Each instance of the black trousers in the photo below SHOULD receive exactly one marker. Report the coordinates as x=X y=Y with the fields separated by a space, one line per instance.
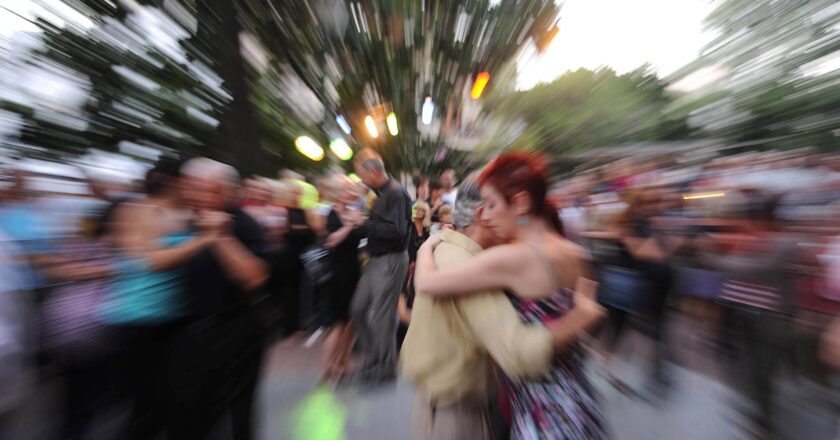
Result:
x=659 y=279
x=761 y=340
x=214 y=365
x=132 y=372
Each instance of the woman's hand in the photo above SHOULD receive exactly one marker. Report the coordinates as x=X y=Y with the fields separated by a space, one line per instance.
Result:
x=585 y=301
x=582 y=318
x=213 y=222
x=425 y=263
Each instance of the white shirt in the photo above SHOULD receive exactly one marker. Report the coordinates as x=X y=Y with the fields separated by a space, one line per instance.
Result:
x=449 y=198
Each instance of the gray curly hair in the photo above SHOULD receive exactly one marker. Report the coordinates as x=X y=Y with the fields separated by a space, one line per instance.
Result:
x=467 y=202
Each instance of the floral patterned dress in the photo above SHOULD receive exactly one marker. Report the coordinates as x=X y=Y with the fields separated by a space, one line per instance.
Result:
x=562 y=404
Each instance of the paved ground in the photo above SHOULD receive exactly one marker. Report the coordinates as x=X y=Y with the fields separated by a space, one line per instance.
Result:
x=292 y=406
x=697 y=406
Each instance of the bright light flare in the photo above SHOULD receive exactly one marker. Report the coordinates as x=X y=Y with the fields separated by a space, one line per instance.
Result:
x=428 y=110
x=371 y=126
x=340 y=148
x=392 y=124
x=479 y=85
x=309 y=148
x=345 y=127
x=704 y=196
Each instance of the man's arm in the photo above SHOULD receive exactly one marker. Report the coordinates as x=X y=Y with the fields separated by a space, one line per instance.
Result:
x=520 y=350
x=133 y=236
x=246 y=269
x=524 y=350
x=239 y=254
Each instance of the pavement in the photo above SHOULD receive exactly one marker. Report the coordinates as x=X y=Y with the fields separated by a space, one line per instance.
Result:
x=294 y=407
x=697 y=404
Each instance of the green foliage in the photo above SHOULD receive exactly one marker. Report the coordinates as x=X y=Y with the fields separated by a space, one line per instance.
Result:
x=586 y=109
x=781 y=89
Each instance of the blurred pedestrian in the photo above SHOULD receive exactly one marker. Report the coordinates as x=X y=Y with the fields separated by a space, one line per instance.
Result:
x=420 y=228
x=23 y=222
x=145 y=298
x=215 y=355
x=15 y=337
x=419 y=235
x=299 y=236
x=422 y=192
x=436 y=192
x=374 y=306
x=646 y=252
x=343 y=242
x=454 y=343
x=539 y=269
x=758 y=299
x=449 y=182
x=255 y=201
x=444 y=220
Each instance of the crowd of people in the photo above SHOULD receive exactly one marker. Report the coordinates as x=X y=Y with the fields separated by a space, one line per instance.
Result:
x=162 y=299
x=492 y=295
x=741 y=247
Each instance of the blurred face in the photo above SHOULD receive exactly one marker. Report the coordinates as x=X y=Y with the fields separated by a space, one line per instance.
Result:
x=367 y=176
x=349 y=194
x=448 y=178
x=419 y=214
x=257 y=191
x=203 y=194
x=423 y=191
x=497 y=214
x=488 y=237
x=446 y=218
x=437 y=193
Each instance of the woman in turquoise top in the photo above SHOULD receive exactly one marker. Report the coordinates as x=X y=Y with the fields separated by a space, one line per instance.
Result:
x=143 y=304
x=140 y=294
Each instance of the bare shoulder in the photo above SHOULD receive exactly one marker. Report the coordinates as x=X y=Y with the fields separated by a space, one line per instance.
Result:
x=131 y=212
x=574 y=250
x=570 y=260
x=562 y=248
x=508 y=258
x=516 y=254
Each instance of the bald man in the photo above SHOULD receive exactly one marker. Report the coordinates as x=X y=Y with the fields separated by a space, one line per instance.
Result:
x=375 y=301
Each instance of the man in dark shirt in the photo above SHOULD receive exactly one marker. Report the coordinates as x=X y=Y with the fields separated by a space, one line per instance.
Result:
x=216 y=354
x=375 y=302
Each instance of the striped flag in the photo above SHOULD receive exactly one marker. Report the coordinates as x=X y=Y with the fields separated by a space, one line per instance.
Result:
x=755 y=295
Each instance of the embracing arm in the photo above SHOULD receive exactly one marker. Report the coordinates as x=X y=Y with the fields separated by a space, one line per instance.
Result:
x=247 y=270
x=526 y=350
x=495 y=268
x=133 y=235
x=585 y=315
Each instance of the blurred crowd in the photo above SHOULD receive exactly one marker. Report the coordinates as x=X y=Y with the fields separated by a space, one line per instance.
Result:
x=158 y=300
x=743 y=248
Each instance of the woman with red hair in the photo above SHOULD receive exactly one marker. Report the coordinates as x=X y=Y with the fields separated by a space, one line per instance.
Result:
x=538 y=269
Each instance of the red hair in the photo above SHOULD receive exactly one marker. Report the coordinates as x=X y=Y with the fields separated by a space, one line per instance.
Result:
x=516 y=172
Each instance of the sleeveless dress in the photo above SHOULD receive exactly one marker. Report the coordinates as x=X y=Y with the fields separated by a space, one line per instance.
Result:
x=346 y=272
x=561 y=404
